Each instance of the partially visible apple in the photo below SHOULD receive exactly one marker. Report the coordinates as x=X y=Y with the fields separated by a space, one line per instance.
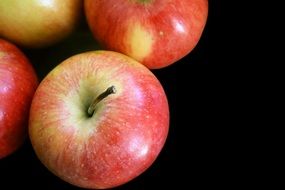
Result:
x=38 y=23
x=156 y=33
x=18 y=83
x=99 y=119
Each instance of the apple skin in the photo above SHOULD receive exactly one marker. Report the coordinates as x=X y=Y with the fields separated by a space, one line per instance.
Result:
x=18 y=83
x=38 y=23
x=123 y=137
x=156 y=33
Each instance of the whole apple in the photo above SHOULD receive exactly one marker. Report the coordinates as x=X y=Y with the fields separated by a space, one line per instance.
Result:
x=156 y=33
x=18 y=83
x=99 y=119
x=38 y=23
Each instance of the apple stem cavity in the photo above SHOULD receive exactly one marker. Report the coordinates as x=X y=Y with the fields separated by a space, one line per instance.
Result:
x=91 y=109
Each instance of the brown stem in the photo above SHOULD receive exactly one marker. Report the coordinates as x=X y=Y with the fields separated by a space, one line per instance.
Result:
x=91 y=109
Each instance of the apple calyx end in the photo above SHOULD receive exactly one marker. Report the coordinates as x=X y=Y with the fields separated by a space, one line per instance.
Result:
x=107 y=92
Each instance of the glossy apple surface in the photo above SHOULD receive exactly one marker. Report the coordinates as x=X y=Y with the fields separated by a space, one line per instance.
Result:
x=38 y=23
x=18 y=83
x=116 y=141
x=156 y=33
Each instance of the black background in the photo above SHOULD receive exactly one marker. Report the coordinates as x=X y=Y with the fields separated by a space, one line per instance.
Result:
x=189 y=157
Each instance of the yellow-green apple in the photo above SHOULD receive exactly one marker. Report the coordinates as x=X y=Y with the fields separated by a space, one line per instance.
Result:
x=38 y=23
x=156 y=33
x=99 y=119
x=18 y=82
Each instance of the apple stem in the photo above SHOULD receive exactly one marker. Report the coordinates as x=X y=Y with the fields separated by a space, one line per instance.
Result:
x=110 y=90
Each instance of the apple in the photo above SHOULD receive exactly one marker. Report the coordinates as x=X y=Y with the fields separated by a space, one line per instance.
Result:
x=18 y=82
x=156 y=33
x=38 y=23
x=99 y=119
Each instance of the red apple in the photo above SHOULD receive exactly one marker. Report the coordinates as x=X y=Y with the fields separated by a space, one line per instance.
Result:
x=99 y=119
x=38 y=23
x=156 y=33
x=18 y=83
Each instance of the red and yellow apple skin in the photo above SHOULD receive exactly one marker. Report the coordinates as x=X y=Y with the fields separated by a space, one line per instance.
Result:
x=156 y=33
x=119 y=141
x=38 y=23
x=18 y=83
